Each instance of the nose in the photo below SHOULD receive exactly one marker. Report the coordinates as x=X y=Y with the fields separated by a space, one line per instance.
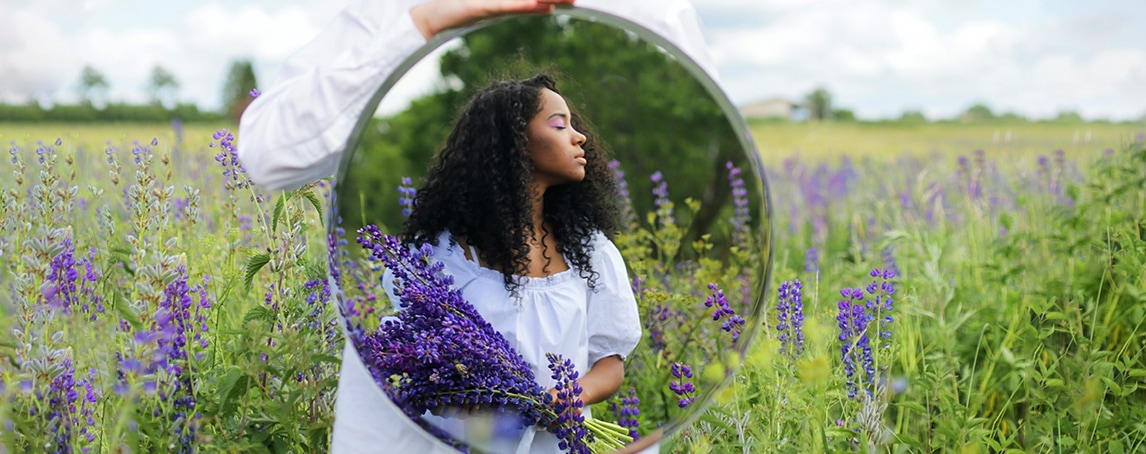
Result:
x=578 y=138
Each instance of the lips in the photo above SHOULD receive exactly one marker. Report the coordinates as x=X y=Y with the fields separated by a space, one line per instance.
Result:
x=581 y=159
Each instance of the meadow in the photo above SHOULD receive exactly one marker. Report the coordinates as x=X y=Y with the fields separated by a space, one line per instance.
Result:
x=158 y=302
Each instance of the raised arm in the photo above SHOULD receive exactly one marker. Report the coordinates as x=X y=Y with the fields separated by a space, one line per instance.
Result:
x=296 y=130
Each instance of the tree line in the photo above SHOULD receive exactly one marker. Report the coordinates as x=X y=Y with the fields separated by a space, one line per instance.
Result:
x=819 y=106
x=162 y=104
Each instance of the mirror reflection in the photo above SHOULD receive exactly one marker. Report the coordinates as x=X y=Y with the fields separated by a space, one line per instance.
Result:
x=564 y=245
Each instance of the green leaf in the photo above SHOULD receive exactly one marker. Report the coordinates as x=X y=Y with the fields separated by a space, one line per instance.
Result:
x=316 y=204
x=234 y=384
x=255 y=264
x=258 y=313
x=124 y=310
x=279 y=205
x=1114 y=387
x=327 y=359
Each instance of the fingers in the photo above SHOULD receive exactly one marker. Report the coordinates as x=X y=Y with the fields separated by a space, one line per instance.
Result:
x=528 y=6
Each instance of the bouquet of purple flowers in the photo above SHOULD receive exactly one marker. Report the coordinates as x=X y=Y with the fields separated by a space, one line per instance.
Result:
x=440 y=352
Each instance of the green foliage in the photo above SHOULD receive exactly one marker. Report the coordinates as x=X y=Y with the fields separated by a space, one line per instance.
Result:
x=92 y=84
x=1018 y=328
x=161 y=84
x=1019 y=313
x=236 y=90
x=646 y=110
x=262 y=343
x=977 y=112
x=109 y=113
x=819 y=103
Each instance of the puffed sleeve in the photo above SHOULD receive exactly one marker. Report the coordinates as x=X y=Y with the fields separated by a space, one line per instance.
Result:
x=296 y=130
x=613 y=321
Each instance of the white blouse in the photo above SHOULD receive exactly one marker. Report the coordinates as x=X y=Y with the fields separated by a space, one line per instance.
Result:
x=556 y=314
x=295 y=133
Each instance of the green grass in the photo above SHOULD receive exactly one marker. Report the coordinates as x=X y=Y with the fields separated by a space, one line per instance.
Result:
x=819 y=141
x=98 y=134
x=1020 y=312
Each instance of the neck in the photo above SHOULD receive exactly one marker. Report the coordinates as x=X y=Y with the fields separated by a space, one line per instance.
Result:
x=538 y=210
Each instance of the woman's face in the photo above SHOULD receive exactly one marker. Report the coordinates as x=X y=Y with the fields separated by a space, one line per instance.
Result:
x=554 y=146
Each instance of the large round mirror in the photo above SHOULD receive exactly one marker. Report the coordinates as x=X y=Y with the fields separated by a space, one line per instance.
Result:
x=672 y=294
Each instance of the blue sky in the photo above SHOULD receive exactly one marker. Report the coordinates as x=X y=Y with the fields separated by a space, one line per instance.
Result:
x=878 y=57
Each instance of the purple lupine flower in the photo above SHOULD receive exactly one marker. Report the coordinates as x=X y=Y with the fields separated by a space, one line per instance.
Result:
x=856 y=317
x=628 y=217
x=628 y=412
x=812 y=261
x=62 y=396
x=661 y=321
x=255 y=93
x=443 y=350
x=790 y=319
x=887 y=254
x=661 y=202
x=879 y=304
x=855 y=347
x=173 y=322
x=570 y=424
x=60 y=287
x=91 y=299
x=840 y=183
x=682 y=386
x=406 y=194
x=179 y=206
x=733 y=323
x=177 y=128
x=86 y=414
x=741 y=215
x=228 y=156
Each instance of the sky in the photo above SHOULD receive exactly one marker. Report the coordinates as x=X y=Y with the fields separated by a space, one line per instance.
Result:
x=876 y=57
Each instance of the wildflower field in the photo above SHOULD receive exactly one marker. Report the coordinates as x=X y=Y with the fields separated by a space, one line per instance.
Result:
x=983 y=292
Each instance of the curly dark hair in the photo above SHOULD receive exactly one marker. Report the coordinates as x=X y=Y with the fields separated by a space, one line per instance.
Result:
x=478 y=187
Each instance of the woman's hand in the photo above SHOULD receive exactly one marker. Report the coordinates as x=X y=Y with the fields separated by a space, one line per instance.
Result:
x=603 y=379
x=433 y=17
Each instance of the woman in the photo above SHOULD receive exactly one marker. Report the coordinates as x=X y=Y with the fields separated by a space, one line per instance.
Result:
x=518 y=206
x=296 y=130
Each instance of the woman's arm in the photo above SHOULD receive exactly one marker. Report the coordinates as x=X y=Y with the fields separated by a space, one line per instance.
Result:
x=603 y=380
x=296 y=130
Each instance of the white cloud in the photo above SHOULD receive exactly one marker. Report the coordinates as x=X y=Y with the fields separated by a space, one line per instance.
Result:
x=877 y=56
x=880 y=57
x=34 y=54
x=42 y=60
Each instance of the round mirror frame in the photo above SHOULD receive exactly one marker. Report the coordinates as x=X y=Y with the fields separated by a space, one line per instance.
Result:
x=730 y=111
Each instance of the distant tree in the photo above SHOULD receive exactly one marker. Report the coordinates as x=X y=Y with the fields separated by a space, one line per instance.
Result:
x=977 y=112
x=913 y=116
x=1012 y=117
x=819 y=103
x=161 y=85
x=843 y=115
x=1068 y=116
x=92 y=83
x=236 y=91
